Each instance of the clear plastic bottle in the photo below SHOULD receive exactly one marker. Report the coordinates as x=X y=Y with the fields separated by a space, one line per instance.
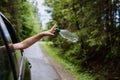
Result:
x=67 y=35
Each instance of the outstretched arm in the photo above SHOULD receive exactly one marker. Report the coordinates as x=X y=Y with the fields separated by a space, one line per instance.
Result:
x=29 y=41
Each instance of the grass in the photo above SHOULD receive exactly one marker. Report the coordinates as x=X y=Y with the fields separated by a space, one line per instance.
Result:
x=71 y=68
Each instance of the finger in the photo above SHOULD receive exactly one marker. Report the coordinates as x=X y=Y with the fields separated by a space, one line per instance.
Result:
x=54 y=27
x=52 y=31
x=52 y=34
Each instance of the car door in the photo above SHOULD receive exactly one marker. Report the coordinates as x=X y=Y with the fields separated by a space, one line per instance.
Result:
x=19 y=64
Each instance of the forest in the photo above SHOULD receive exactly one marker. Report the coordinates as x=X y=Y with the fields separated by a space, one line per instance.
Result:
x=96 y=22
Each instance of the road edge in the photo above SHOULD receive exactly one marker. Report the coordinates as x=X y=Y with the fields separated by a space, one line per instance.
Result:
x=64 y=75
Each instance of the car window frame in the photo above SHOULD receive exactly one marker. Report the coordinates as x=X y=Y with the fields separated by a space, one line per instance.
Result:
x=24 y=63
x=6 y=42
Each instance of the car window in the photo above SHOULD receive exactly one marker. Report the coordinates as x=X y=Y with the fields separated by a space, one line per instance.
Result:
x=5 y=66
x=14 y=39
x=14 y=56
x=11 y=30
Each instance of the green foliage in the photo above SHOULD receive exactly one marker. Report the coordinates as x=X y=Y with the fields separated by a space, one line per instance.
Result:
x=97 y=23
x=22 y=15
x=70 y=67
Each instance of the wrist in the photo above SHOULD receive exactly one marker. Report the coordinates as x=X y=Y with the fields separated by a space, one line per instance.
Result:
x=42 y=34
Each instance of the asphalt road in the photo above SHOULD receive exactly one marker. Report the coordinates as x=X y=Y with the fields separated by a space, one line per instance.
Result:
x=41 y=68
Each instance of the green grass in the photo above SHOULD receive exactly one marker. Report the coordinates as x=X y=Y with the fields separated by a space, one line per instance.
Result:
x=53 y=52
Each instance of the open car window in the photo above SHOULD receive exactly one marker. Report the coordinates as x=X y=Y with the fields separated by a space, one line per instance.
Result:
x=10 y=28
x=6 y=70
x=9 y=38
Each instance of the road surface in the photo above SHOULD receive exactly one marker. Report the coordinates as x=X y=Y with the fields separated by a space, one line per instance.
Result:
x=41 y=68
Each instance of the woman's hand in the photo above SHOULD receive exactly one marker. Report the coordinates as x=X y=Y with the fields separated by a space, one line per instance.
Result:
x=29 y=41
x=50 y=32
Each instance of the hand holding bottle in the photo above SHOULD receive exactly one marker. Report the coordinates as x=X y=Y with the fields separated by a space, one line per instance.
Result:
x=50 y=32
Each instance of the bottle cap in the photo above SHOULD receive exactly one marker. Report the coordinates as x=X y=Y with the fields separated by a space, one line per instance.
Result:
x=58 y=29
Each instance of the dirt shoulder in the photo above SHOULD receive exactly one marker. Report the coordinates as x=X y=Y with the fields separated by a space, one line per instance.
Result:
x=64 y=75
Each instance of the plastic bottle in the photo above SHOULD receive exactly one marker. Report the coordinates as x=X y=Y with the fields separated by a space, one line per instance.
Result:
x=67 y=34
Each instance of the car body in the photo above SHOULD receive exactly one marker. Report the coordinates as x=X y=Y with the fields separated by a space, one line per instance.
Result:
x=13 y=64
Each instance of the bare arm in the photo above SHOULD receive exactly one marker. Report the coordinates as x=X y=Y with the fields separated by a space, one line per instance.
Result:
x=29 y=41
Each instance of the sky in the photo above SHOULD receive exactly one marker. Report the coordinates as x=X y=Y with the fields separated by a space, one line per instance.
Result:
x=43 y=15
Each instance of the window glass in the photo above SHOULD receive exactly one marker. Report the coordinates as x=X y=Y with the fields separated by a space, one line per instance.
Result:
x=5 y=67
x=12 y=56
x=11 y=35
